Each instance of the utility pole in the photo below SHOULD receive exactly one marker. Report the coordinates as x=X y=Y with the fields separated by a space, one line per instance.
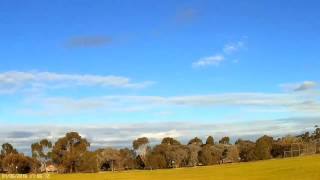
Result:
x=112 y=164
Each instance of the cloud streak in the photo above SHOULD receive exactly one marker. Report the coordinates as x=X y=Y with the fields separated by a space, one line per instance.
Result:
x=13 y=81
x=288 y=102
x=209 y=61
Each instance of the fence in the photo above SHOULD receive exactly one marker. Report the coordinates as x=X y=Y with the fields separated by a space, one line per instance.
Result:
x=299 y=149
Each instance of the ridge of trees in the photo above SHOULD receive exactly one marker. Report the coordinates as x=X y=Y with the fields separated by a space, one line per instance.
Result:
x=71 y=154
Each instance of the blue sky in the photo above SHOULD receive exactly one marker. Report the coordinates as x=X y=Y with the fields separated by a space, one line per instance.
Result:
x=127 y=62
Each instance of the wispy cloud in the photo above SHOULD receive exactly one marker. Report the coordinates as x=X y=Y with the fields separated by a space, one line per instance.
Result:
x=13 y=81
x=215 y=60
x=288 y=102
x=302 y=86
x=121 y=135
x=209 y=61
x=88 y=41
x=233 y=47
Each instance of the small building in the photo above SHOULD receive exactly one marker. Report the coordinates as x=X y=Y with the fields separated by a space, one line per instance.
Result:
x=51 y=168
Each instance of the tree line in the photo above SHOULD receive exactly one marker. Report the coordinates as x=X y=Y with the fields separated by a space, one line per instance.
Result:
x=71 y=154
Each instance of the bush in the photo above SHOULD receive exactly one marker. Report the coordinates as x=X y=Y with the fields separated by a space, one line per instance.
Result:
x=246 y=150
x=263 y=147
x=18 y=163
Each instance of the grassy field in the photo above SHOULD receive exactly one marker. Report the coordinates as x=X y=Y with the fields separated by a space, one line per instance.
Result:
x=307 y=167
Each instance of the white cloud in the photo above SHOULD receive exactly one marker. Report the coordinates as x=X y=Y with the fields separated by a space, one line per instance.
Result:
x=209 y=61
x=13 y=81
x=159 y=135
x=233 y=47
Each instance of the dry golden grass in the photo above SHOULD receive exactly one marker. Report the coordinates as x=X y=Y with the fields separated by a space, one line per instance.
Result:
x=305 y=168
